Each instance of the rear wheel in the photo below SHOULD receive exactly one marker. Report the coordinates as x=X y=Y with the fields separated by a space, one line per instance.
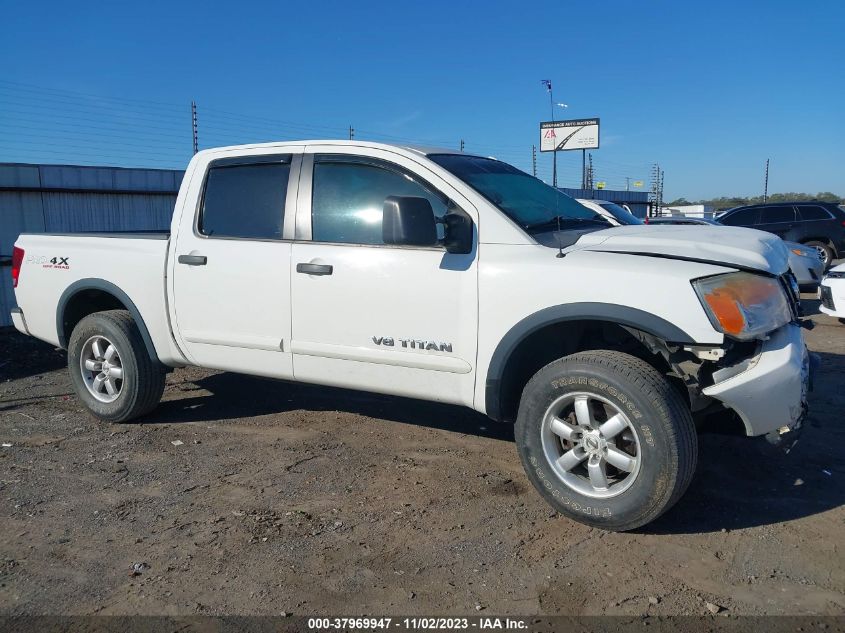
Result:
x=825 y=251
x=606 y=439
x=110 y=368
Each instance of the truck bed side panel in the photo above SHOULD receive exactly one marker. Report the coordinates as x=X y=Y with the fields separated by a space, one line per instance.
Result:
x=135 y=264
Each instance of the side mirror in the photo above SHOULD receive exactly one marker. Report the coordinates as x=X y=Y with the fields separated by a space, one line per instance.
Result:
x=408 y=221
x=458 y=231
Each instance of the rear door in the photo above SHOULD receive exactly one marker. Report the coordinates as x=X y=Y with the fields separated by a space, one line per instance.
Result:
x=779 y=220
x=400 y=320
x=231 y=275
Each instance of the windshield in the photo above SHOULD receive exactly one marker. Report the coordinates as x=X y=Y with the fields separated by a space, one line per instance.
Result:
x=620 y=213
x=529 y=202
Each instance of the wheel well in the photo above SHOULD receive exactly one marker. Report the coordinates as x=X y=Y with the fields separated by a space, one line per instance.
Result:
x=823 y=240
x=83 y=303
x=560 y=339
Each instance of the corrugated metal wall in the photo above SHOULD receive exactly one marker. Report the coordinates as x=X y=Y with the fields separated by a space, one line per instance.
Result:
x=70 y=199
x=78 y=212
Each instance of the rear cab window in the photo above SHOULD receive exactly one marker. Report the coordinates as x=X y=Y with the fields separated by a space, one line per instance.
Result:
x=245 y=198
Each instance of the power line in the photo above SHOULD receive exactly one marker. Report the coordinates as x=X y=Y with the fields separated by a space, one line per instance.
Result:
x=33 y=116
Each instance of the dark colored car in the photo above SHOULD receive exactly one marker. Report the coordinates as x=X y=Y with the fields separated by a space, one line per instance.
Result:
x=817 y=224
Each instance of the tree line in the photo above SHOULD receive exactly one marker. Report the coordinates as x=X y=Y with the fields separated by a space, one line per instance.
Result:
x=728 y=202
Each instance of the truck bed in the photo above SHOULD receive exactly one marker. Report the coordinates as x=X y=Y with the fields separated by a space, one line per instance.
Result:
x=56 y=266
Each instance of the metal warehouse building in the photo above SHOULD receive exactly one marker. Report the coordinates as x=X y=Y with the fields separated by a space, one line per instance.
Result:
x=70 y=199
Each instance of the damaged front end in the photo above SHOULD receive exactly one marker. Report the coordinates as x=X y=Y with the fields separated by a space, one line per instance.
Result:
x=764 y=382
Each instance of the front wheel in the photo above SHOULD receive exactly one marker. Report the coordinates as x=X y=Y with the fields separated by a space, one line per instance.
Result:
x=110 y=368
x=606 y=439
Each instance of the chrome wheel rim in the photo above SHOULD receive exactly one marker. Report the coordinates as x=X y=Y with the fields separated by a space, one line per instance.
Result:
x=102 y=369
x=823 y=255
x=591 y=445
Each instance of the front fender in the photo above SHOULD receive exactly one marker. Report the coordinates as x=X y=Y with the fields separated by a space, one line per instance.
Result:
x=584 y=311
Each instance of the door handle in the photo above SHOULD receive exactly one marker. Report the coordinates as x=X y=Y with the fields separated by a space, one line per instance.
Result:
x=314 y=269
x=193 y=260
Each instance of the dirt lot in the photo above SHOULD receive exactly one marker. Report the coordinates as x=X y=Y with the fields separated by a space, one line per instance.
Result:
x=286 y=498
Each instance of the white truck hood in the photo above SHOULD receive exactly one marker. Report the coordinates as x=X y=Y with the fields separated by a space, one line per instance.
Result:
x=745 y=248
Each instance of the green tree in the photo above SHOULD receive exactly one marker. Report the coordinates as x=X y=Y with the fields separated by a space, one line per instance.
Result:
x=728 y=202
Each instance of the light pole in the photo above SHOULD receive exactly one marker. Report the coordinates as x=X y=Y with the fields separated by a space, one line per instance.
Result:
x=548 y=85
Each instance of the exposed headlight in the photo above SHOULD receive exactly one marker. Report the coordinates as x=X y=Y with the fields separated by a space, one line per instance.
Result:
x=743 y=305
x=835 y=274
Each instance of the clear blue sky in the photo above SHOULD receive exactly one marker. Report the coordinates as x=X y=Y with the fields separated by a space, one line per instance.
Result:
x=707 y=89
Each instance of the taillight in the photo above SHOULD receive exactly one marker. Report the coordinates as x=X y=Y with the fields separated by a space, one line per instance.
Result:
x=17 y=260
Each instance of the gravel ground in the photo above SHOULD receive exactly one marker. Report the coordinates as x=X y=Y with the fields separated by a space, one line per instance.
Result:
x=242 y=495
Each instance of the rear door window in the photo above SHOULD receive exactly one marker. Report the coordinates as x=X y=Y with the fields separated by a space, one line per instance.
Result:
x=776 y=215
x=245 y=200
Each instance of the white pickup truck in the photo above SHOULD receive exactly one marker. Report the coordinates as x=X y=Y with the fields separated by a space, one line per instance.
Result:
x=441 y=276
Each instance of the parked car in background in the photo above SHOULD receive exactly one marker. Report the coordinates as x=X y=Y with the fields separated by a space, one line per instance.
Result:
x=817 y=224
x=832 y=292
x=806 y=262
x=614 y=213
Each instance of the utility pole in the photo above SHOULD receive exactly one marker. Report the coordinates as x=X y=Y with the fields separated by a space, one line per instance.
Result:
x=660 y=191
x=351 y=132
x=194 y=126
x=627 y=183
x=534 y=160
x=766 y=183
x=462 y=144
x=655 y=190
x=548 y=84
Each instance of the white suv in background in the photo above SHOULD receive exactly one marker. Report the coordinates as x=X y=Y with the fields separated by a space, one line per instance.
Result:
x=614 y=213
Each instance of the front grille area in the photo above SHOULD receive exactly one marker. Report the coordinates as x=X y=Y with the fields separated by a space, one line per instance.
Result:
x=827 y=298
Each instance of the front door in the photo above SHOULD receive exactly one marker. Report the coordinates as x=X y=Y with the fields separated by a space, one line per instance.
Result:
x=231 y=278
x=365 y=315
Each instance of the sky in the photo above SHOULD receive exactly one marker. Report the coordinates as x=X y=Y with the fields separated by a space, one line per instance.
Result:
x=707 y=90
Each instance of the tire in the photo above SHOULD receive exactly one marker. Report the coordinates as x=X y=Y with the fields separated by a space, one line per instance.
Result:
x=658 y=433
x=825 y=249
x=133 y=381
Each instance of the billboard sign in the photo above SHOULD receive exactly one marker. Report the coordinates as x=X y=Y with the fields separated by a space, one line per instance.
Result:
x=559 y=136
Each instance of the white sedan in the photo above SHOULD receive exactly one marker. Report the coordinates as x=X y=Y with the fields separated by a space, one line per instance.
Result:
x=832 y=292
